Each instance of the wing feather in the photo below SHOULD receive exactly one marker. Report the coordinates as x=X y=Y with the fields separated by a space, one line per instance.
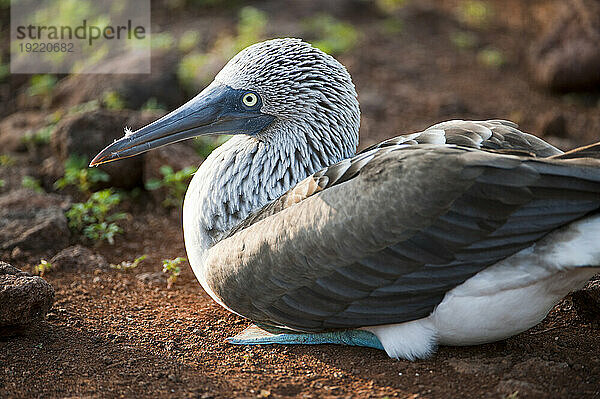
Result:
x=498 y=135
x=381 y=238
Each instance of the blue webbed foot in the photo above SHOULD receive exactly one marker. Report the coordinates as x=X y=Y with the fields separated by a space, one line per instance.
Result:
x=254 y=335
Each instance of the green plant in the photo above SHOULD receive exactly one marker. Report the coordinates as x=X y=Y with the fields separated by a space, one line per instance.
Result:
x=332 y=36
x=31 y=184
x=390 y=6
x=464 y=40
x=172 y=268
x=2 y=183
x=38 y=138
x=162 y=40
x=4 y=72
x=126 y=266
x=189 y=66
x=196 y=69
x=392 y=26
x=251 y=27
x=43 y=267
x=174 y=182
x=188 y=41
x=475 y=13
x=112 y=100
x=84 y=107
x=41 y=85
x=491 y=57
x=79 y=175
x=153 y=105
x=94 y=217
x=7 y=160
x=204 y=145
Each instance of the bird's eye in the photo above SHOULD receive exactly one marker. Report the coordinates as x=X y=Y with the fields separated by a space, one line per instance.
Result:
x=250 y=99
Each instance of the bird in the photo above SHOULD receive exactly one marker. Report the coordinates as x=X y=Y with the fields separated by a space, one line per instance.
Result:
x=465 y=233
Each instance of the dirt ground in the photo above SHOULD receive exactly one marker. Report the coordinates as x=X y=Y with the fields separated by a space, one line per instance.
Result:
x=114 y=334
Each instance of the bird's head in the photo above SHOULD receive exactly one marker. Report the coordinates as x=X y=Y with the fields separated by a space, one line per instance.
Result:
x=280 y=87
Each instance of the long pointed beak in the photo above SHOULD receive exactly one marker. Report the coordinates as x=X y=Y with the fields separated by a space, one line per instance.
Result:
x=216 y=110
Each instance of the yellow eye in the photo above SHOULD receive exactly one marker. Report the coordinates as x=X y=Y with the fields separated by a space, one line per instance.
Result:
x=250 y=99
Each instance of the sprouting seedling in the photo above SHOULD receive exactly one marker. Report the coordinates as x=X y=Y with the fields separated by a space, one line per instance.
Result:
x=126 y=266
x=7 y=160
x=79 y=175
x=172 y=268
x=94 y=218
x=38 y=138
x=174 y=182
x=43 y=267
x=32 y=183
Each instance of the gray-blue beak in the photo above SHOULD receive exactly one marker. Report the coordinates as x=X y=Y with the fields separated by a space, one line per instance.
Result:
x=216 y=110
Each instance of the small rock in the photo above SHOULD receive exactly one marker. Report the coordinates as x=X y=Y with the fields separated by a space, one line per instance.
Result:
x=587 y=301
x=33 y=222
x=78 y=258
x=6 y=269
x=524 y=389
x=486 y=366
x=88 y=133
x=151 y=277
x=546 y=367
x=24 y=298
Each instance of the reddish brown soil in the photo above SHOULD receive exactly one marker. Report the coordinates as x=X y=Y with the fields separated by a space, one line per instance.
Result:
x=111 y=335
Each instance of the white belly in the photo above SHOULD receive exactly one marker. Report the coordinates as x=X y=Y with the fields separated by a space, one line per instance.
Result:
x=468 y=316
x=505 y=299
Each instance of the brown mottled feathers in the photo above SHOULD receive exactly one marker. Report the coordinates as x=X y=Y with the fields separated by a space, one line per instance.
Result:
x=381 y=238
x=497 y=135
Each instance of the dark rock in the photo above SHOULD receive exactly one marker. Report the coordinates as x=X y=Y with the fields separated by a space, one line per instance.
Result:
x=24 y=299
x=88 y=133
x=6 y=268
x=567 y=58
x=135 y=89
x=33 y=222
x=15 y=127
x=78 y=258
x=152 y=278
x=587 y=301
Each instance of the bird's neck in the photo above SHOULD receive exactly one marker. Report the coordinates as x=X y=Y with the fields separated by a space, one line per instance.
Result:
x=241 y=176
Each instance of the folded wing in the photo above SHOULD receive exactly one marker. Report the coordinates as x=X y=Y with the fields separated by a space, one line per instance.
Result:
x=381 y=238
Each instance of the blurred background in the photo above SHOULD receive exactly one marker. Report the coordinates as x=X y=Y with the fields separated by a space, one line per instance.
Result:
x=414 y=63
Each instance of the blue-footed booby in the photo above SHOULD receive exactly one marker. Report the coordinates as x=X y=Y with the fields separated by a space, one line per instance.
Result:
x=464 y=233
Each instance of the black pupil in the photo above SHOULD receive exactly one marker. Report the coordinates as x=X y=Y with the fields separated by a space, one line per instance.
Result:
x=249 y=98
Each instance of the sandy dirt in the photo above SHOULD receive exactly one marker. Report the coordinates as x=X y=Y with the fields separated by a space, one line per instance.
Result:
x=124 y=334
